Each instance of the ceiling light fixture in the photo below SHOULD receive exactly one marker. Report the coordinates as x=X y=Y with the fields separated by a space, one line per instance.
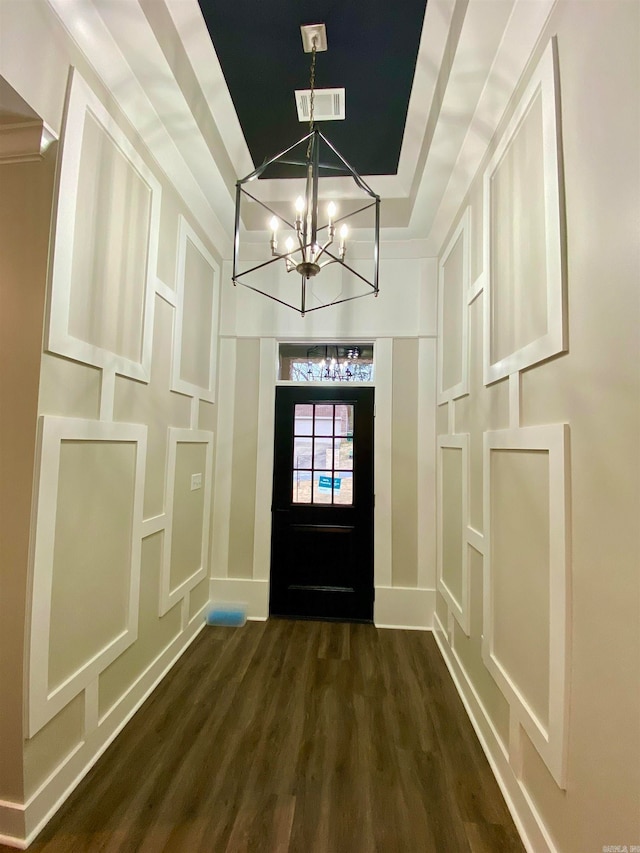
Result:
x=309 y=248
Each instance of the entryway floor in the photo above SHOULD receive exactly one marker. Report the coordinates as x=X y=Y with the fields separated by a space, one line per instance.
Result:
x=313 y=737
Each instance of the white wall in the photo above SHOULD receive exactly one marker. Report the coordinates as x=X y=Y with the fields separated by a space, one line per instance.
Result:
x=401 y=323
x=537 y=606
x=107 y=558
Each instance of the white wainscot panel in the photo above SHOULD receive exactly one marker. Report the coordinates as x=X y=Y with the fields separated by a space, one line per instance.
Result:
x=175 y=586
x=525 y=315
x=196 y=327
x=87 y=549
x=453 y=519
x=105 y=243
x=527 y=581
x=453 y=323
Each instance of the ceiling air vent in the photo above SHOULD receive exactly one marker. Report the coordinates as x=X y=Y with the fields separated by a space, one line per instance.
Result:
x=328 y=104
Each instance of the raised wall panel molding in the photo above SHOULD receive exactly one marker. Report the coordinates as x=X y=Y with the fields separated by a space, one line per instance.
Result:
x=524 y=811
x=451 y=417
x=457 y=599
x=453 y=292
x=190 y=311
x=224 y=459
x=427 y=535
x=125 y=54
x=169 y=596
x=72 y=769
x=461 y=676
x=153 y=525
x=107 y=320
x=165 y=292
x=546 y=726
x=515 y=406
x=264 y=458
x=475 y=539
x=531 y=234
x=45 y=702
x=107 y=394
x=476 y=288
x=382 y=557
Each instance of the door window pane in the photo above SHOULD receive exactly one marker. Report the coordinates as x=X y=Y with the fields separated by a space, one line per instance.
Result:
x=303 y=420
x=323 y=424
x=343 y=454
x=344 y=420
x=301 y=491
x=323 y=454
x=343 y=488
x=302 y=452
x=322 y=487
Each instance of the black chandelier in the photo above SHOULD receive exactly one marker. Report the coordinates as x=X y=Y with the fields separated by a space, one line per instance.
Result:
x=310 y=246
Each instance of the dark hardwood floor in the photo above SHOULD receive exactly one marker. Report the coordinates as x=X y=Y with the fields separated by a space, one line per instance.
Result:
x=293 y=736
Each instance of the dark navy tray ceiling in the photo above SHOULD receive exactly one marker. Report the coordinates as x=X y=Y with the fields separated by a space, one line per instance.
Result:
x=372 y=51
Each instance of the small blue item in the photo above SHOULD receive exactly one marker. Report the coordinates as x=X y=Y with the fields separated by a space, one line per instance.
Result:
x=229 y=614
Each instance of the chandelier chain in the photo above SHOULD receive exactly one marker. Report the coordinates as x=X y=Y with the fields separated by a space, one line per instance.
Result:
x=312 y=83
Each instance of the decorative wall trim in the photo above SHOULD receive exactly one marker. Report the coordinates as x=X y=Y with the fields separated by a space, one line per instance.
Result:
x=543 y=83
x=82 y=102
x=126 y=55
x=253 y=594
x=462 y=232
x=526 y=817
x=224 y=460
x=154 y=525
x=44 y=704
x=50 y=796
x=187 y=235
x=550 y=740
x=165 y=292
x=459 y=607
x=476 y=289
x=382 y=557
x=515 y=386
x=168 y=596
x=264 y=462
x=404 y=607
x=475 y=539
x=427 y=533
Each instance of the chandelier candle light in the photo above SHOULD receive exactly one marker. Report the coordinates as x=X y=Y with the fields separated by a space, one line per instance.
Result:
x=312 y=247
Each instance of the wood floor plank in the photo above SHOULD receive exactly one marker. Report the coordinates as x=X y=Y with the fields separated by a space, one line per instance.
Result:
x=293 y=737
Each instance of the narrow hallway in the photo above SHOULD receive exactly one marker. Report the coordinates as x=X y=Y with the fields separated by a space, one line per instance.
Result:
x=293 y=736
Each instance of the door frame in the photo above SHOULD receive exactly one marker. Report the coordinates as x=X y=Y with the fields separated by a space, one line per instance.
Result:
x=324 y=602
x=255 y=590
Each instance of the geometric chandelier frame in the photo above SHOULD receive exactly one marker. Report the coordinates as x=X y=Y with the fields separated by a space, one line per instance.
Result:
x=312 y=247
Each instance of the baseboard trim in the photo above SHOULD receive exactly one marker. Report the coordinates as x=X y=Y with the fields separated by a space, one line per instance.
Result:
x=528 y=821
x=404 y=607
x=395 y=606
x=56 y=789
x=253 y=594
x=12 y=824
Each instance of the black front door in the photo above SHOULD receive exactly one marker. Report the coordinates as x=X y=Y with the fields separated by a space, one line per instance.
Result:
x=322 y=533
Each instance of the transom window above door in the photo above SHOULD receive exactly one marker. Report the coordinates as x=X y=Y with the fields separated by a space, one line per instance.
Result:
x=345 y=362
x=323 y=454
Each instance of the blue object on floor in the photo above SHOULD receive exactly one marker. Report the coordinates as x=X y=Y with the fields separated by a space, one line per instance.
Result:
x=231 y=615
